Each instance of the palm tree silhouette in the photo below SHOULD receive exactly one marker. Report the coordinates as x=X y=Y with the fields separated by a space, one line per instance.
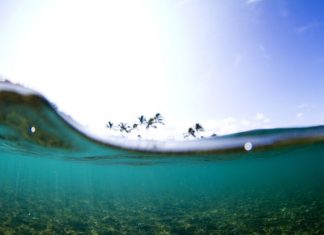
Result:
x=198 y=127
x=134 y=126
x=110 y=125
x=190 y=132
x=124 y=127
x=142 y=120
x=150 y=123
x=193 y=131
x=158 y=118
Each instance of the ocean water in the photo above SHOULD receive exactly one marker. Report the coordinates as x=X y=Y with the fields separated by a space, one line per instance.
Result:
x=57 y=179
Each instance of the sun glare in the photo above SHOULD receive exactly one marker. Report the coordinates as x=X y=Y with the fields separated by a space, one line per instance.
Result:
x=112 y=45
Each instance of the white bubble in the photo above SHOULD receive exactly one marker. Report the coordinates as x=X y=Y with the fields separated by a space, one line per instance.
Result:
x=248 y=146
x=33 y=129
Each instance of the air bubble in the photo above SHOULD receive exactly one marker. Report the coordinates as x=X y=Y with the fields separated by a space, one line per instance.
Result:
x=33 y=129
x=248 y=146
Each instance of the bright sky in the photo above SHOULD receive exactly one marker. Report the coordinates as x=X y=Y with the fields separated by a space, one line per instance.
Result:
x=231 y=65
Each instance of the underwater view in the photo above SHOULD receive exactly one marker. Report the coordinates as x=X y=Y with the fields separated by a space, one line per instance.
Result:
x=174 y=117
x=57 y=179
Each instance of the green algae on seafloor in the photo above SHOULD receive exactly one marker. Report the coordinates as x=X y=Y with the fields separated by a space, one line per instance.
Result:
x=282 y=194
x=269 y=213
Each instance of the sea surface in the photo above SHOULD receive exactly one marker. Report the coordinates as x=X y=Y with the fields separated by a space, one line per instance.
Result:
x=56 y=178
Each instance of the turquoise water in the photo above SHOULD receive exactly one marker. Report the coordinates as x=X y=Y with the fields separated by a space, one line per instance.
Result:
x=55 y=179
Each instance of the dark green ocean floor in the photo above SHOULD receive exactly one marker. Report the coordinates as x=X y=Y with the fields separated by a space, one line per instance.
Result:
x=277 y=195
x=268 y=213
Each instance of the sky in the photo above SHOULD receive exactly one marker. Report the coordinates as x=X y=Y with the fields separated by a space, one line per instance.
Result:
x=231 y=65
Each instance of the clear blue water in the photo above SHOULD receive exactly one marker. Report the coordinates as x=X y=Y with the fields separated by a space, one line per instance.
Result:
x=57 y=180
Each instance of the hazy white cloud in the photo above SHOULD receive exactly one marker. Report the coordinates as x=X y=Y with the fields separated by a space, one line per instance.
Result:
x=253 y=1
x=302 y=106
x=304 y=28
x=181 y=3
x=245 y=122
x=237 y=60
x=222 y=127
x=260 y=117
x=233 y=125
x=305 y=109
x=306 y=106
x=264 y=52
x=299 y=115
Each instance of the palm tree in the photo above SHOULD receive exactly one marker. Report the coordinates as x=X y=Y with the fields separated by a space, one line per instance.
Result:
x=124 y=127
x=198 y=127
x=190 y=132
x=110 y=125
x=193 y=131
x=158 y=118
x=134 y=126
x=150 y=123
x=142 y=120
